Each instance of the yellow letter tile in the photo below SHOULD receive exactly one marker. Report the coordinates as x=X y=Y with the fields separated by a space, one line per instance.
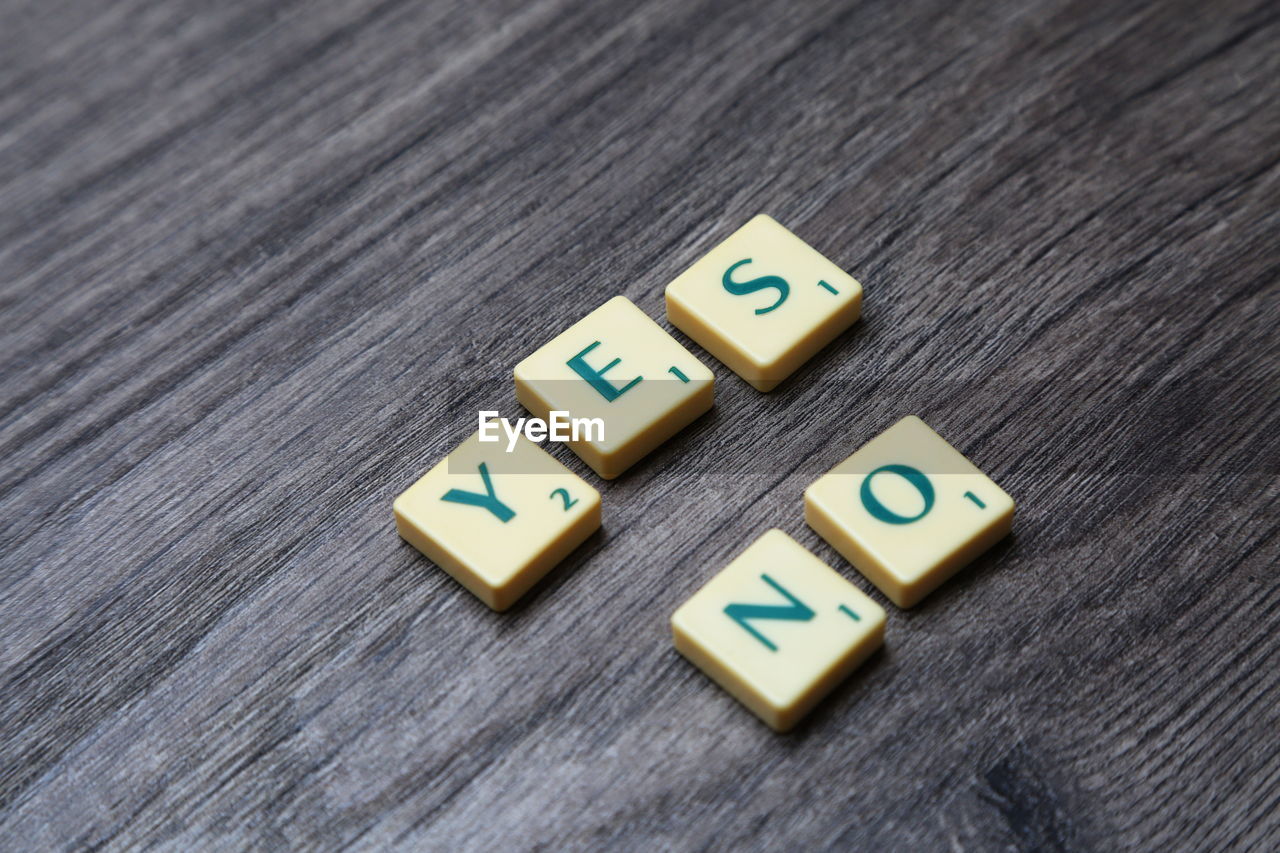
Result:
x=908 y=510
x=763 y=302
x=778 y=628
x=618 y=365
x=497 y=521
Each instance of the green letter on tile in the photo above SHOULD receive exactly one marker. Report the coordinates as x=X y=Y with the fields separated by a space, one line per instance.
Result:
x=596 y=377
x=882 y=512
x=764 y=282
x=488 y=501
x=796 y=611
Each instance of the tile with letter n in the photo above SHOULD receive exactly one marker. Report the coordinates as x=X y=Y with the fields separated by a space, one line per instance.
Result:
x=618 y=366
x=497 y=520
x=908 y=510
x=763 y=302
x=778 y=628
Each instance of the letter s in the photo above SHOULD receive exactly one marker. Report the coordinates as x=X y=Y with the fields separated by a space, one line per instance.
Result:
x=764 y=282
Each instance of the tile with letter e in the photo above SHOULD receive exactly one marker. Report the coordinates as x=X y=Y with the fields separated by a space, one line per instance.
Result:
x=617 y=366
x=778 y=628
x=908 y=510
x=763 y=302
x=497 y=521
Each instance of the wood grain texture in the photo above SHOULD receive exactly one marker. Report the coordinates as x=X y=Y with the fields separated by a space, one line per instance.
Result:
x=261 y=262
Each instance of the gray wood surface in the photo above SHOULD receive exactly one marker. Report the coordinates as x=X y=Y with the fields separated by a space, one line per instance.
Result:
x=262 y=261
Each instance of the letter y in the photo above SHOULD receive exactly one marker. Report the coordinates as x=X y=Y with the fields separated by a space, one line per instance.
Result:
x=487 y=501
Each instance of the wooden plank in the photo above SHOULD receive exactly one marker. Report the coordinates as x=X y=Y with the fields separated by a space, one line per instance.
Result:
x=261 y=263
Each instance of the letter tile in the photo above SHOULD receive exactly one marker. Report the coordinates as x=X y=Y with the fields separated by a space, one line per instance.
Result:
x=618 y=365
x=763 y=302
x=778 y=628
x=497 y=521
x=908 y=510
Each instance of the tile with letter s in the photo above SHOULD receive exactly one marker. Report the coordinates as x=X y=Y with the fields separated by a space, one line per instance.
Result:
x=908 y=510
x=763 y=302
x=496 y=520
x=778 y=629
x=618 y=366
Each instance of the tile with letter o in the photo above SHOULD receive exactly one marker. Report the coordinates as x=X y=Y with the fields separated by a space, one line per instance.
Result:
x=497 y=521
x=763 y=302
x=778 y=628
x=618 y=366
x=908 y=510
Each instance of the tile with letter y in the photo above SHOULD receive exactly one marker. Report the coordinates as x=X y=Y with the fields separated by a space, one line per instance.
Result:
x=778 y=628
x=496 y=520
x=908 y=510
x=617 y=366
x=763 y=302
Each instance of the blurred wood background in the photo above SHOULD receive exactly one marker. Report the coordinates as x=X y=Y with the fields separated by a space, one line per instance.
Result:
x=261 y=262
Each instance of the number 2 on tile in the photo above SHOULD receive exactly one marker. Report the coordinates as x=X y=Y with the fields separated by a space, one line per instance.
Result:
x=564 y=496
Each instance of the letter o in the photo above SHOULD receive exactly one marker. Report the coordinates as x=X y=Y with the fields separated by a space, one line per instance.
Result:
x=882 y=512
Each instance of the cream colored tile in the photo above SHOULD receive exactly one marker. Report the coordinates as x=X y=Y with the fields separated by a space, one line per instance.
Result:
x=618 y=365
x=763 y=302
x=778 y=628
x=908 y=510
x=497 y=521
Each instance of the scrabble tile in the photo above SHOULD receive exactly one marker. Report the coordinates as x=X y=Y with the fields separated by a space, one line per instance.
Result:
x=497 y=521
x=763 y=302
x=618 y=365
x=908 y=510
x=778 y=628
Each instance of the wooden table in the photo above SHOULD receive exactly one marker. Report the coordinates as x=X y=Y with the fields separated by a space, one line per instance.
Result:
x=262 y=262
